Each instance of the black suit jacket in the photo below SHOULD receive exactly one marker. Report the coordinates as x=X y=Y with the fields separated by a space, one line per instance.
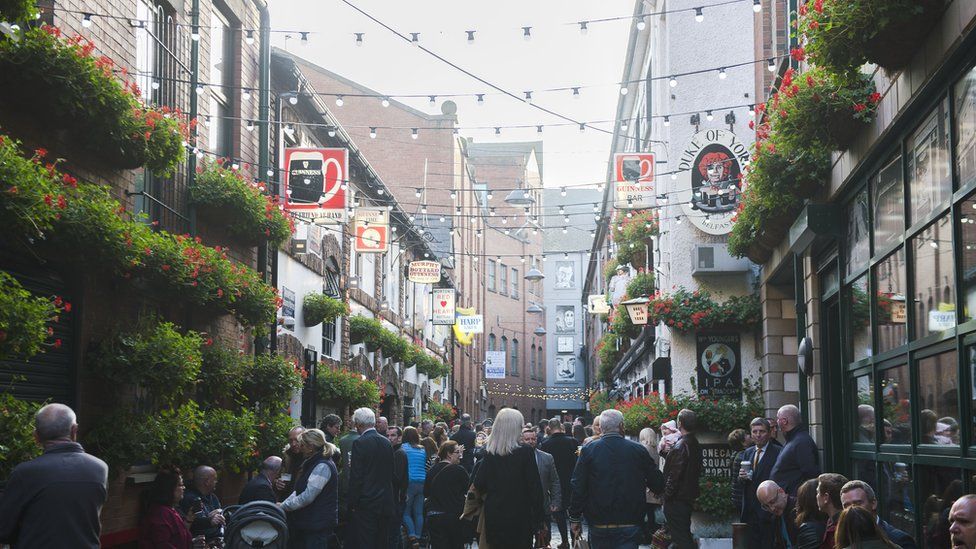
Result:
x=751 y=511
x=563 y=449
x=466 y=436
x=371 y=474
x=258 y=489
x=899 y=538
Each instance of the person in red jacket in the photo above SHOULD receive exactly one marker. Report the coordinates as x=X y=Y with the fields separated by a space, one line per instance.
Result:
x=161 y=525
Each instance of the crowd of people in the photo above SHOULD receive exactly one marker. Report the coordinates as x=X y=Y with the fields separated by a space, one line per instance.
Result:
x=502 y=482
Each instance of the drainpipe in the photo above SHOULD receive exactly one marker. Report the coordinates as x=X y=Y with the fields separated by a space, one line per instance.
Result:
x=264 y=145
x=194 y=108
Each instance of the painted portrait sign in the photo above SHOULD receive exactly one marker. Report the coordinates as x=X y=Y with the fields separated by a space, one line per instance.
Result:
x=565 y=275
x=710 y=185
x=565 y=319
x=719 y=365
x=565 y=368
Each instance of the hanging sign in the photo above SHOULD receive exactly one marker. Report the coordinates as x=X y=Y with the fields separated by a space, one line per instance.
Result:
x=633 y=181
x=597 y=304
x=719 y=365
x=442 y=310
x=464 y=337
x=314 y=181
x=472 y=324
x=372 y=230
x=424 y=272
x=495 y=365
x=710 y=179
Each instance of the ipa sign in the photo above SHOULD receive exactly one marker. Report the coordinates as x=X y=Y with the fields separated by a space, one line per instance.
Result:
x=424 y=272
x=442 y=310
x=719 y=365
x=495 y=365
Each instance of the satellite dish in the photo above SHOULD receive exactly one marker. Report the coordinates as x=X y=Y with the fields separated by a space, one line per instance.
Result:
x=449 y=107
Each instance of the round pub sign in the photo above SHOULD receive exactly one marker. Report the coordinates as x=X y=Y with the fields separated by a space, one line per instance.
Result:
x=710 y=182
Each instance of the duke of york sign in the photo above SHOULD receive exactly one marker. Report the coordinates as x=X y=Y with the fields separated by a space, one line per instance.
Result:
x=710 y=182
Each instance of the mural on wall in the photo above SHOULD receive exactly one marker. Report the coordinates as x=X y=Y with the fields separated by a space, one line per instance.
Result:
x=565 y=275
x=565 y=368
x=566 y=319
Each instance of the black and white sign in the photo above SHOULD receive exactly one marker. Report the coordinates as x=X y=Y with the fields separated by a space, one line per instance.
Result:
x=565 y=275
x=719 y=365
x=715 y=460
x=565 y=368
x=710 y=185
x=565 y=319
x=495 y=365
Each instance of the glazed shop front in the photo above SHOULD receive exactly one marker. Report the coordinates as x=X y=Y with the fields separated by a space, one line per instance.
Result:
x=891 y=303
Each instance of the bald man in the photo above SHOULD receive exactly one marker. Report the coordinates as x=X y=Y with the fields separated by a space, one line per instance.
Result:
x=799 y=460
x=782 y=506
x=261 y=487
x=962 y=522
x=201 y=499
x=54 y=500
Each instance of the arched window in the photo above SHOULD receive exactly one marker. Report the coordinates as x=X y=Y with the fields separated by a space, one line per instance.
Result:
x=542 y=363
x=504 y=349
x=532 y=366
x=515 y=353
x=491 y=342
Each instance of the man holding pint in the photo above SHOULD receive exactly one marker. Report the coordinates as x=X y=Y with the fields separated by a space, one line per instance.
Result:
x=756 y=466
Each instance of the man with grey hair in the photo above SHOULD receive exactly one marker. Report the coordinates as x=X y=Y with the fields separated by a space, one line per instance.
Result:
x=608 y=487
x=465 y=438
x=371 y=505
x=54 y=499
x=682 y=468
x=260 y=487
x=858 y=492
x=799 y=460
x=426 y=428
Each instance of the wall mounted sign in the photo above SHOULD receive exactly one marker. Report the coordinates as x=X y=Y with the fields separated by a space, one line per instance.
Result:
x=715 y=460
x=719 y=365
x=287 y=303
x=495 y=365
x=424 y=272
x=314 y=181
x=710 y=179
x=565 y=319
x=472 y=324
x=442 y=311
x=633 y=180
x=462 y=336
x=372 y=230
x=597 y=304
x=565 y=368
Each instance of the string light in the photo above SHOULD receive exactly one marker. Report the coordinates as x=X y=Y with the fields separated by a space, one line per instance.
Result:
x=339 y=101
x=293 y=99
x=721 y=74
x=415 y=133
x=470 y=37
x=699 y=15
x=562 y=192
x=304 y=40
x=433 y=99
x=771 y=65
x=481 y=99
x=415 y=38
x=245 y=94
x=498 y=130
x=667 y=121
x=623 y=90
x=673 y=82
x=708 y=116
x=360 y=38
x=576 y=93
x=86 y=21
x=372 y=133
x=752 y=110
x=582 y=127
x=583 y=27
x=538 y=129
x=385 y=102
x=249 y=37
x=195 y=34
x=528 y=96
x=527 y=33
x=757 y=6
x=641 y=25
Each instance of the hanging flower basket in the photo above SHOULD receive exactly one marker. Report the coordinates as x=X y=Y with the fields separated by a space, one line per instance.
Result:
x=319 y=308
x=893 y=47
x=59 y=83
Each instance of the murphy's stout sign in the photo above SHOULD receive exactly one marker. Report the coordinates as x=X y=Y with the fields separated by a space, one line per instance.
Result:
x=710 y=179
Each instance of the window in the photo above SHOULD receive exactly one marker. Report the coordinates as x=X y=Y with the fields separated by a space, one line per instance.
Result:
x=967 y=220
x=332 y=279
x=542 y=364
x=889 y=205
x=491 y=342
x=929 y=182
x=938 y=400
x=504 y=349
x=491 y=274
x=965 y=128
x=896 y=398
x=532 y=370
x=515 y=356
x=329 y=330
x=935 y=280
x=223 y=85
x=890 y=310
x=515 y=283
x=860 y=315
x=858 y=242
x=865 y=417
x=502 y=279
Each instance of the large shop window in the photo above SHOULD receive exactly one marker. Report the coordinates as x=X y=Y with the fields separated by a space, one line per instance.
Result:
x=935 y=280
x=967 y=222
x=938 y=399
x=858 y=239
x=865 y=417
x=929 y=181
x=965 y=116
x=896 y=399
x=890 y=308
x=888 y=193
x=860 y=315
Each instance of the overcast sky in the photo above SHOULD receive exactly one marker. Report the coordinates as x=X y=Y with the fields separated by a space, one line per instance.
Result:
x=557 y=55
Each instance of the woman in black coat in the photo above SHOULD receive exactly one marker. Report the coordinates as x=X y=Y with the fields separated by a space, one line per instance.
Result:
x=447 y=483
x=809 y=518
x=508 y=477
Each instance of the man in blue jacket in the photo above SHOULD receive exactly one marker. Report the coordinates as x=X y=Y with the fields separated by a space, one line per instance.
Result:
x=858 y=492
x=799 y=460
x=608 y=487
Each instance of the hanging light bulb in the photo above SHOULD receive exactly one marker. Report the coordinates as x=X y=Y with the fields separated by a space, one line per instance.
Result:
x=470 y=37
x=433 y=100
x=699 y=15
x=332 y=133
x=721 y=74
x=667 y=121
x=498 y=130
x=538 y=129
x=414 y=133
x=304 y=40
x=415 y=38
x=624 y=126
x=481 y=99
x=752 y=110
x=528 y=96
x=576 y=93
x=490 y=195
x=562 y=192
x=339 y=101
x=249 y=37
x=385 y=102
x=293 y=99
x=86 y=21
x=673 y=81
x=641 y=25
x=360 y=37
x=582 y=127
x=583 y=28
x=246 y=94
x=154 y=85
x=372 y=133
x=757 y=6
x=418 y=192
x=527 y=33
x=199 y=89
x=771 y=65
x=195 y=34
x=623 y=90
x=250 y=126
x=708 y=116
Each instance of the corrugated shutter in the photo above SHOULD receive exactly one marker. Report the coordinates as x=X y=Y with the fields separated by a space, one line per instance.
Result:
x=50 y=374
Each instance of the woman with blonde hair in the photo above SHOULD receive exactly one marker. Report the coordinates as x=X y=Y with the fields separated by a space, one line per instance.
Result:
x=596 y=431
x=648 y=439
x=313 y=508
x=508 y=478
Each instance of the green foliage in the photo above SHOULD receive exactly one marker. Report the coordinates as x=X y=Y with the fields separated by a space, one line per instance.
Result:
x=364 y=330
x=154 y=356
x=16 y=433
x=250 y=214
x=437 y=411
x=349 y=389
x=685 y=310
x=599 y=401
x=17 y=11
x=270 y=382
x=124 y=438
x=24 y=319
x=621 y=325
x=715 y=496
x=222 y=374
x=641 y=285
x=318 y=308
x=31 y=194
x=372 y=332
x=633 y=235
x=227 y=440
x=610 y=269
x=271 y=434
x=719 y=415
x=62 y=84
x=608 y=353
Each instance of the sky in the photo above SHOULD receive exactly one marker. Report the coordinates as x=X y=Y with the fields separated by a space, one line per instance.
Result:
x=557 y=55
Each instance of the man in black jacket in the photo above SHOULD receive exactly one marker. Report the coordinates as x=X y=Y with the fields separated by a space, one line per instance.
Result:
x=682 y=468
x=858 y=492
x=401 y=479
x=209 y=520
x=761 y=458
x=54 y=500
x=782 y=507
x=562 y=447
x=608 y=487
x=260 y=487
x=465 y=437
x=799 y=460
x=370 y=484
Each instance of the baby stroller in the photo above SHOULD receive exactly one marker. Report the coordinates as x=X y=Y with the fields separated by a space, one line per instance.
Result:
x=256 y=524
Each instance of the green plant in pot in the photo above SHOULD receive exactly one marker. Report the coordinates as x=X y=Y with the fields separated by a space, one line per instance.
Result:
x=318 y=308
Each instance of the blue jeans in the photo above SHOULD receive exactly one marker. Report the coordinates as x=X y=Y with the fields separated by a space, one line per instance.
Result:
x=413 y=515
x=615 y=538
x=309 y=539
